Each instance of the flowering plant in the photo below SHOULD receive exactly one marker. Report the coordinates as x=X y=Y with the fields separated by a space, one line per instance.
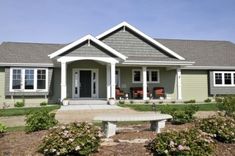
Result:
x=72 y=139
x=187 y=142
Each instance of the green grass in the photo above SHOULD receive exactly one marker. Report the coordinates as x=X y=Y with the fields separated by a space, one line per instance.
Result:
x=25 y=110
x=148 y=107
x=15 y=129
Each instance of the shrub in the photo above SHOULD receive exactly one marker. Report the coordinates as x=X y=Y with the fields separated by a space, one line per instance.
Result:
x=20 y=103
x=190 y=101
x=218 y=99
x=73 y=139
x=160 y=102
x=40 y=120
x=222 y=128
x=43 y=103
x=2 y=129
x=180 y=116
x=227 y=105
x=173 y=102
x=121 y=102
x=188 y=142
x=207 y=100
x=147 y=102
x=131 y=102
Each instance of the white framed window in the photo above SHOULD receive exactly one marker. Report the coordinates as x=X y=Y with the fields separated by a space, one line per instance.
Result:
x=224 y=78
x=28 y=79
x=153 y=76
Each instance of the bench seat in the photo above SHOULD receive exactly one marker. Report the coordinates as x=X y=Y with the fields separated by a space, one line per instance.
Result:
x=109 y=121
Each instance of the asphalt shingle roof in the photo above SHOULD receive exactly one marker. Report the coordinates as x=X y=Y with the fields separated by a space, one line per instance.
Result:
x=203 y=53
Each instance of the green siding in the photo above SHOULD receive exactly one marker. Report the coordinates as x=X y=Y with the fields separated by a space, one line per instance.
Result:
x=194 y=85
x=167 y=80
x=2 y=85
x=55 y=86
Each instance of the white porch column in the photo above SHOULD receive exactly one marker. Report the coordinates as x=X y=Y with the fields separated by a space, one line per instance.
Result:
x=63 y=81
x=179 y=90
x=113 y=79
x=144 y=75
x=108 y=83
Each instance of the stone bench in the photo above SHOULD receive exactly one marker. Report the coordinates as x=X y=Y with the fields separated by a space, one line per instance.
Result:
x=109 y=121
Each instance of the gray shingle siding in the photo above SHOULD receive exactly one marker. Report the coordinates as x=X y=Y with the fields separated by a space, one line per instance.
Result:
x=7 y=86
x=85 y=50
x=130 y=44
x=219 y=90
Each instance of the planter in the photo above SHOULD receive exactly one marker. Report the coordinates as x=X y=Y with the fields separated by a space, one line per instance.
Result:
x=65 y=102
x=112 y=101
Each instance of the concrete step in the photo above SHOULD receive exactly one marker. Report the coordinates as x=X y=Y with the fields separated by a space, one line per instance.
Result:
x=87 y=102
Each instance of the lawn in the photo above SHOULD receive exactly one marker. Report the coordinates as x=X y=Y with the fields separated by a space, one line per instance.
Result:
x=25 y=110
x=149 y=107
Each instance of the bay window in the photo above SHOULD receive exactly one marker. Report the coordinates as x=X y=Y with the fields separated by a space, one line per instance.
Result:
x=28 y=79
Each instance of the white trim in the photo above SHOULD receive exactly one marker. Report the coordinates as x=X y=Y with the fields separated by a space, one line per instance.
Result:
x=83 y=39
x=108 y=82
x=144 y=75
x=158 y=44
x=150 y=78
x=102 y=59
x=92 y=70
x=27 y=64
x=113 y=83
x=134 y=62
x=210 y=67
x=23 y=80
x=224 y=85
x=179 y=84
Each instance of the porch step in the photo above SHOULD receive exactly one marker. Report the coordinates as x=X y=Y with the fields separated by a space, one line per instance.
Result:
x=87 y=102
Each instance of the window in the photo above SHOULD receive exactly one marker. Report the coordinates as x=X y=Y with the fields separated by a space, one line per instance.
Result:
x=41 y=81
x=16 y=80
x=224 y=78
x=152 y=76
x=218 y=78
x=136 y=76
x=28 y=79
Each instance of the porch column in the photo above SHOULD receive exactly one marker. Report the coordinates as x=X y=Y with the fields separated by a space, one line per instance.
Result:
x=63 y=81
x=179 y=90
x=108 y=80
x=144 y=75
x=113 y=79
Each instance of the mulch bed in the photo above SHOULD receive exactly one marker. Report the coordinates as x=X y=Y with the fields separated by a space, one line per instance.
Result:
x=20 y=143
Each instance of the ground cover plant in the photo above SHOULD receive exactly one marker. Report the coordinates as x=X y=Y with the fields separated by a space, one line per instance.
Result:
x=185 y=142
x=3 y=129
x=72 y=139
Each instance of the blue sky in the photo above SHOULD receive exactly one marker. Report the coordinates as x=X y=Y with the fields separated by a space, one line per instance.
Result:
x=62 y=21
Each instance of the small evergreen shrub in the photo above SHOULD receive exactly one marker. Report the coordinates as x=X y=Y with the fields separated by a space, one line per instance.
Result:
x=147 y=102
x=40 y=120
x=20 y=103
x=3 y=129
x=180 y=116
x=188 y=142
x=227 y=105
x=72 y=139
x=160 y=102
x=218 y=99
x=131 y=102
x=43 y=103
x=121 y=102
x=207 y=100
x=190 y=101
x=173 y=102
x=221 y=127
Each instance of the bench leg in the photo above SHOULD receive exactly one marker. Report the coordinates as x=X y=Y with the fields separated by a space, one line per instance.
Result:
x=157 y=125
x=109 y=129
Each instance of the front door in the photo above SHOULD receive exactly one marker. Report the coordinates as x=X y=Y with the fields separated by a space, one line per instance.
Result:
x=85 y=83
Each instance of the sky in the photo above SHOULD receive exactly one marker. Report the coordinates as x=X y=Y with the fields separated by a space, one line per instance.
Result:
x=63 y=21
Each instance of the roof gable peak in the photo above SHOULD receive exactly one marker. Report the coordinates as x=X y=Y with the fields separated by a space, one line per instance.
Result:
x=148 y=38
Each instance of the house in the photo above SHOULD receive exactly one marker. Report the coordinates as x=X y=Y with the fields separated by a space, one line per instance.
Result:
x=122 y=56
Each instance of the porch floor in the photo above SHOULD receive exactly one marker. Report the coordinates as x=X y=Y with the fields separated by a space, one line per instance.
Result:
x=87 y=102
x=89 y=107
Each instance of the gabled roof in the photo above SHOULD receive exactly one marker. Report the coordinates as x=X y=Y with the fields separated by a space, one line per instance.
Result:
x=83 y=39
x=151 y=40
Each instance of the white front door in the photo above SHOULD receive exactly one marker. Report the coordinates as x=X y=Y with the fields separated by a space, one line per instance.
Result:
x=85 y=83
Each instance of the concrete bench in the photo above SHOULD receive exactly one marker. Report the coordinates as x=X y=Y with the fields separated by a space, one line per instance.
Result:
x=109 y=121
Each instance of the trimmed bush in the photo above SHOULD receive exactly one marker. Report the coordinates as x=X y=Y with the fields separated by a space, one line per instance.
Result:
x=43 y=103
x=180 y=116
x=218 y=99
x=3 y=129
x=19 y=103
x=188 y=142
x=121 y=102
x=190 y=101
x=222 y=128
x=227 y=105
x=73 y=139
x=40 y=120
x=131 y=102
x=147 y=102
x=207 y=100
